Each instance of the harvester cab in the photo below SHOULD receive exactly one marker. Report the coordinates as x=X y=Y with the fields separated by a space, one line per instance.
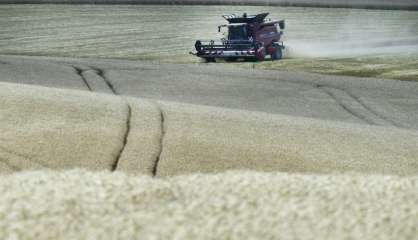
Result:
x=248 y=37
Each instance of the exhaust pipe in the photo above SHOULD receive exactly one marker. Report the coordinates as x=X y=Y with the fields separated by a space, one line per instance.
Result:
x=281 y=24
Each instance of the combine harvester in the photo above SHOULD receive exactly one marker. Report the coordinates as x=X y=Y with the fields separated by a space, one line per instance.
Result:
x=249 y=37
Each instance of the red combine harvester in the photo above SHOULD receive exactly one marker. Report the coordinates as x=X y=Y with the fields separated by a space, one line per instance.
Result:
x=248 y=37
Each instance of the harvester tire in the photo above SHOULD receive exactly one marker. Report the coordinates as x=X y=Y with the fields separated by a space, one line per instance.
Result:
x=198 y=45
x=277 y=54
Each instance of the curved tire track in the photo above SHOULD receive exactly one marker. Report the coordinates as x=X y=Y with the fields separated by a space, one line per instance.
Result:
x=356 y=107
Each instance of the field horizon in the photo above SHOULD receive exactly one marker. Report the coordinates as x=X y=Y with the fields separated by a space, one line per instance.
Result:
x=369 y=4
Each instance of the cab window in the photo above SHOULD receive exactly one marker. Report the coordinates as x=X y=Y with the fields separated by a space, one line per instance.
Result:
x=237 y=33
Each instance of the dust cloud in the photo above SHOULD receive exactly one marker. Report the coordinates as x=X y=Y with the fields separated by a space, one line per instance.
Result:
x=360 y=35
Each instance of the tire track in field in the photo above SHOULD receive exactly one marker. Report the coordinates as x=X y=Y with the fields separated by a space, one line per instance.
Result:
x=356 y=107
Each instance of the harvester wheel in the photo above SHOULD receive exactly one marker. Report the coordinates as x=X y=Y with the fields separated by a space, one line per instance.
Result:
x=198 y=45
x=277 y=54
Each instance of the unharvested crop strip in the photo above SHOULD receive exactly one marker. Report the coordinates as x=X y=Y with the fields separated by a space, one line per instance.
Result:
x=163 y=131
x=79 y=72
